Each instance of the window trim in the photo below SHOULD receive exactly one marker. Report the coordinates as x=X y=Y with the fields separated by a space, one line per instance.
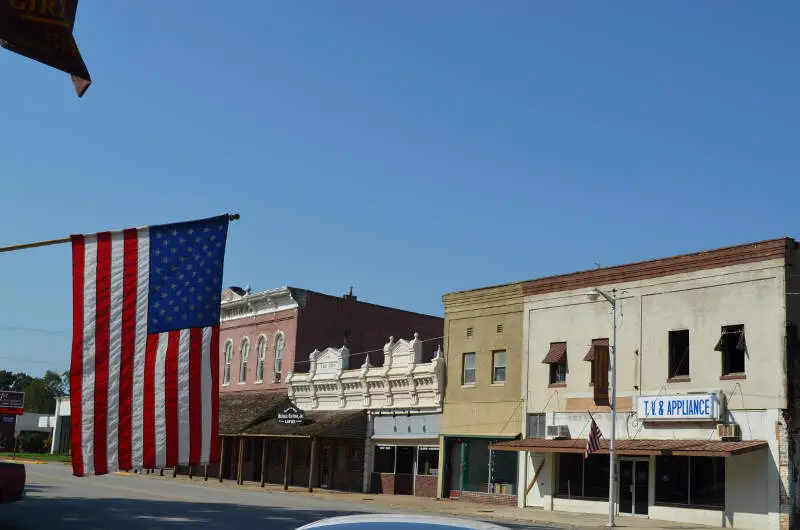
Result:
x=464 y=368
x=495 y=366
x=280 y=339
x=228 y=361
x=244 y=354
x=261 y=351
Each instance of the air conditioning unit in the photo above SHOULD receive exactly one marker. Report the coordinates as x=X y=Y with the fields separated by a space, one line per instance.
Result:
x=556 y=432
x=731 y=431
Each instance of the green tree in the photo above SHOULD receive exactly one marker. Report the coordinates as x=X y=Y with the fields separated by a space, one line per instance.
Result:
x=39 y=397
x=14 y=381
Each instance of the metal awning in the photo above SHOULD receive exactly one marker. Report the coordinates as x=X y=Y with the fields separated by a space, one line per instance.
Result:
x=636 y=447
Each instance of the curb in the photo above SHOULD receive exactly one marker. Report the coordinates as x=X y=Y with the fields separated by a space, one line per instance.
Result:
x=22 y=461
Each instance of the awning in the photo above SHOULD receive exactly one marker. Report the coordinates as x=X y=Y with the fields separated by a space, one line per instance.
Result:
x=241 y=410
x=557 y=353
x=635 y=447
x=330 y=424
x=596 y=342
x=729 y=336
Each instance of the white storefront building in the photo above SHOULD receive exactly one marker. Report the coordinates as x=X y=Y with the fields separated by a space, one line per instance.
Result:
x=403 y=401
x=707 y=368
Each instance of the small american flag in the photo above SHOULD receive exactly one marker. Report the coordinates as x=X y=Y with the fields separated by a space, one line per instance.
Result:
x=593 y=442
x=144 y=376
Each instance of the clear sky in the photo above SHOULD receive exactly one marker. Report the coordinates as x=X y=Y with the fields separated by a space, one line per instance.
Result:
x=407 y=148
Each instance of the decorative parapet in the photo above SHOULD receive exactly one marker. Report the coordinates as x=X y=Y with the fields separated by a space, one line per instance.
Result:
x=238 y=304
x=402 y=382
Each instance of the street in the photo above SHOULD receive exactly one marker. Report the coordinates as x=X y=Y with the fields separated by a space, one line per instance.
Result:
x=56 y=499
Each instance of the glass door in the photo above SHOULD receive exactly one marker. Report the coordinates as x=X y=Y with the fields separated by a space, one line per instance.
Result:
x=633 y=486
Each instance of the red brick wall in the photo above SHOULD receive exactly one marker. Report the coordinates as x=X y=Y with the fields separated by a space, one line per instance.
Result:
x=485 y=498
x=425 y=486
x=325 y=320
x=383 y=483
x=253 y=328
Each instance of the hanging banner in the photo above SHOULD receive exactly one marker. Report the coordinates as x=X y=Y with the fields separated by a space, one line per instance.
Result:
x=42 y=30
x=600 y=375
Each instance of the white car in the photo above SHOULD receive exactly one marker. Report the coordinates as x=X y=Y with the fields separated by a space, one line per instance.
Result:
x=399 y=522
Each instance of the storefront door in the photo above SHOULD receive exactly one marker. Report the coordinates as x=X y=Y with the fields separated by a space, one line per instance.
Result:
x=325 y=467
x=633 y=486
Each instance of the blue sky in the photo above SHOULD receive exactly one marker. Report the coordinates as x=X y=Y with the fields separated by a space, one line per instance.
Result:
x=407 y=148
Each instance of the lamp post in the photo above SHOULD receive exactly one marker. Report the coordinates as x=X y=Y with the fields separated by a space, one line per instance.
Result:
x=612 y=452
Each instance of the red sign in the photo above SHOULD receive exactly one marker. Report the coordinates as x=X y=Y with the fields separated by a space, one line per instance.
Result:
x=12 y=402
x=42 y=30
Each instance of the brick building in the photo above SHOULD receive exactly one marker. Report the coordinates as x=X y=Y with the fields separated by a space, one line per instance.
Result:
x=267 y=335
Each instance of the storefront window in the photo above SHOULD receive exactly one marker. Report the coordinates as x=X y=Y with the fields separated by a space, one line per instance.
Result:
x=428 y=461
x=384 y=459
x=595 y=477
x=579 y=477
x=693 y=481
x=707 y=481
x=503 y=479
x=570 y=475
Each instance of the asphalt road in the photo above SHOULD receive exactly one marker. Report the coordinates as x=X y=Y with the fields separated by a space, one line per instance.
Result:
x=56 y=499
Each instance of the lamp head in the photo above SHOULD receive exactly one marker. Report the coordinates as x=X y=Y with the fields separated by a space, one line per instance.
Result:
x=594 y=294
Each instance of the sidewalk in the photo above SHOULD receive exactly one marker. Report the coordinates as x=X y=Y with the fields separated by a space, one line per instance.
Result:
x=469 y=510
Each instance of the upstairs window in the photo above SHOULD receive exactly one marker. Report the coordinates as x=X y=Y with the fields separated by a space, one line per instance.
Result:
x=262 y=351
x=733 y=348
x=557 y=359
x=245 y=353
x=468 y=369
x=589 y=357
x=678 y=354
x=499 y=367
x=226 y=375
x=279 y=342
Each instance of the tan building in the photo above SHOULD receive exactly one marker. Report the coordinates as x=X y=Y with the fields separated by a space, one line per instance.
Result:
x=707 y=386
x=483 y=399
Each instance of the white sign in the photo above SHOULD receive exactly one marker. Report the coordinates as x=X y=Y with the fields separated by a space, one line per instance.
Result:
x=687 y=407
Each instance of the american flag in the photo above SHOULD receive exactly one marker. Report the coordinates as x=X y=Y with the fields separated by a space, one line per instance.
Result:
x=593 y=442
x=144 y=377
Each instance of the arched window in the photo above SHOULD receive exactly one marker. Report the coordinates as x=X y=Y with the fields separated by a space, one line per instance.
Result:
x=262 y=353
x=226 y=376
x=279 y=340
x=245 y=352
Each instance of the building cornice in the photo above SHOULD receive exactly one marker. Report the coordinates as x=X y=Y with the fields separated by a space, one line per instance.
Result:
x=773 y=249
x=235 y=306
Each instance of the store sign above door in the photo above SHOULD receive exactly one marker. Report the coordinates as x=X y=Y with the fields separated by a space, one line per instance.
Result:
x=687 y=407
x=291 y=415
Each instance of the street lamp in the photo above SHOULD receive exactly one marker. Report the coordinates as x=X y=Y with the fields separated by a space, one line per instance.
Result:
x=594 y=294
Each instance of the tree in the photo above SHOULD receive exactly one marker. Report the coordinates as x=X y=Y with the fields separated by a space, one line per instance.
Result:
x=39 y=397
x=13 y=381
x=54 y=383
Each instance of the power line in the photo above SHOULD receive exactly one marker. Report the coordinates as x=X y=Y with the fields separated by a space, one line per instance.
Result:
x=32 y=330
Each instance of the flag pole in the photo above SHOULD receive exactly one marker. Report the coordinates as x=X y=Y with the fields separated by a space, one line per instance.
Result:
x=61 y=241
